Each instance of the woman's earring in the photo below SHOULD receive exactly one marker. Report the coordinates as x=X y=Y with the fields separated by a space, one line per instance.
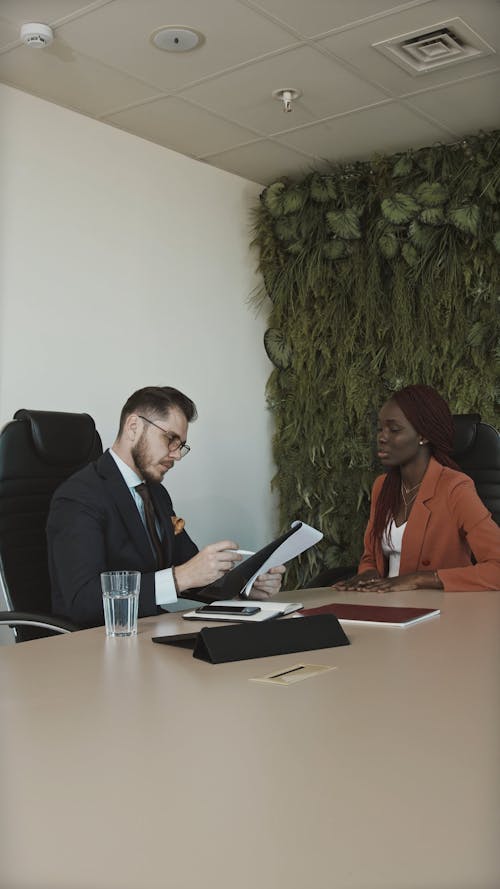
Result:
x=421 y=442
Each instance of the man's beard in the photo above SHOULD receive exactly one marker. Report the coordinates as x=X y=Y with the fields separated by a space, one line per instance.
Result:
x=140 y=457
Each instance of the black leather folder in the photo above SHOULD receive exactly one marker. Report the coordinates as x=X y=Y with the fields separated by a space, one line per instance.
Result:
x=233 y=583
x=219 y=645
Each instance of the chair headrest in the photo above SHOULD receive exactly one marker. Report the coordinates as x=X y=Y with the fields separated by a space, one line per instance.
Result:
x=465 y=432
x=60 y=438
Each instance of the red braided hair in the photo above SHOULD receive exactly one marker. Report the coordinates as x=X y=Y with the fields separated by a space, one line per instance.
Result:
x=431 y=418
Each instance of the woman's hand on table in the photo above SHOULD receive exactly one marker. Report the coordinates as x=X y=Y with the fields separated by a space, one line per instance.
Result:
x=358 y=582
x=420 y=580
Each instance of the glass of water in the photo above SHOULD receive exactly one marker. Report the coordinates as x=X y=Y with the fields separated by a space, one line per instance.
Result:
x=120 y=596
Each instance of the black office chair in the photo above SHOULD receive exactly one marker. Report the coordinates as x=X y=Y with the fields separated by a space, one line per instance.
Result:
x=477 y=452
x=476 y=449
x=38 y=451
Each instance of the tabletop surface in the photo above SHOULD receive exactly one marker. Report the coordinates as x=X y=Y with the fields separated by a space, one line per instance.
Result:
x=129 y=765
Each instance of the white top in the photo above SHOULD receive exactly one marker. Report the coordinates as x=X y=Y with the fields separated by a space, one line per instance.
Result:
x=165 y=593
x=392 y=541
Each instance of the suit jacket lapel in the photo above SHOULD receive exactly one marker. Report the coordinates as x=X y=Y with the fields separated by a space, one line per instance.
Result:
x=120 y=494
x=416 y=528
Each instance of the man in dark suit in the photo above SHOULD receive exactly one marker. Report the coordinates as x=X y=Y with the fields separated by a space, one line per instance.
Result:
x=116 y=514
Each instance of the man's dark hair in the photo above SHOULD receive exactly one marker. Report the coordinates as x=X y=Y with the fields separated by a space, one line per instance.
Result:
x=158 y=401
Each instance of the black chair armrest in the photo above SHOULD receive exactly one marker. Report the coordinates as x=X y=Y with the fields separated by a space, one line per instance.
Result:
x=29 y=619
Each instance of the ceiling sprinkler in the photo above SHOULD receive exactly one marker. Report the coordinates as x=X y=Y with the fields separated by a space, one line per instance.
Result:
x=286 y=96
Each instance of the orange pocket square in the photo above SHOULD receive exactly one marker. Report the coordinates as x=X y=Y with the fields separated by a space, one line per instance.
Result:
x=178 y=524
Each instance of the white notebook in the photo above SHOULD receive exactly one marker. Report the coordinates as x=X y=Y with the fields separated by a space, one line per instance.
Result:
x=267 y=610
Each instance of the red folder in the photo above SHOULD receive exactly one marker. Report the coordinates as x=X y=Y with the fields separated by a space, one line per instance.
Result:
x=387 y=615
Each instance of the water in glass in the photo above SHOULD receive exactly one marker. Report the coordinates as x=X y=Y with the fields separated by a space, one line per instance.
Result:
x=120 y=613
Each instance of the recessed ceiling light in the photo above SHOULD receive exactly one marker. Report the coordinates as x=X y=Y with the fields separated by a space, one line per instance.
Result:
x=177 y=39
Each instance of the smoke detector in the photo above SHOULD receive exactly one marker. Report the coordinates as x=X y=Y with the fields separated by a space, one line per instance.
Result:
x=446 y=43
x=37 y=35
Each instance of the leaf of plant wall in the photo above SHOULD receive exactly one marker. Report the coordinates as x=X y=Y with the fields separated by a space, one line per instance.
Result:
x=344 y=224
x=399 y=208
x=410 y=254
x=278 y=350
x=432 y=216
x=403 y=166
x=322 y=188
x=294 y=200
x=431 y=194
x=388 y=244
x=272 y=198
x=420 y=235
x=466 y=219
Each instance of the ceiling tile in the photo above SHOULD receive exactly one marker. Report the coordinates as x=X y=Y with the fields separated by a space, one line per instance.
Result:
x=318 y=16
x=381 y=130
x=446 y=104
x=355 y=45
x=46 y=11
x=61 y=75
x=262 y=162
x=120 y=35
x=245 y=95
x=8 y=33
x=181 y=126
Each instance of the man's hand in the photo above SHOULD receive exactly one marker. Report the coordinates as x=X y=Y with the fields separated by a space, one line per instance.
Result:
x=210 y=564
x=268 y=585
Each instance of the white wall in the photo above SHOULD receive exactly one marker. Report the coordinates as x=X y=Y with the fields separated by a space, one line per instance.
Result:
x=124 y=264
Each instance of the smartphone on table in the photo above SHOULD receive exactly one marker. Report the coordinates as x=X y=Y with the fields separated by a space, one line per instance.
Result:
x=245 y=610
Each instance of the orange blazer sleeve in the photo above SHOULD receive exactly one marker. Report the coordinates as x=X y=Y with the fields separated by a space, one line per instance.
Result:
x=483 y=537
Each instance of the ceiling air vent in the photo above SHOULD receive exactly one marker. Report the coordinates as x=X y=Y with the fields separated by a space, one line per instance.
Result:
x=446 y=43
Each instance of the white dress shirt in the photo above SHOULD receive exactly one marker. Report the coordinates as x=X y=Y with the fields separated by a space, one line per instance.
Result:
x=165 y=593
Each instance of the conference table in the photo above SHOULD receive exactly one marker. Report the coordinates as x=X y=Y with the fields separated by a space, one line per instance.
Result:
x=131 y=765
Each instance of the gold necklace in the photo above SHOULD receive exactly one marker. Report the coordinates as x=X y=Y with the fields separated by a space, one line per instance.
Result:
x=408 y=503
x=409 y=490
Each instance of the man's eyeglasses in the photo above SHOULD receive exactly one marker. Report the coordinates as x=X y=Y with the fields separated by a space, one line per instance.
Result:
x=173 y=441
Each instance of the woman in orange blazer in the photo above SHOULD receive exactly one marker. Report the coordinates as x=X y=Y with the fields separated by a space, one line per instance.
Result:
x=426 y=519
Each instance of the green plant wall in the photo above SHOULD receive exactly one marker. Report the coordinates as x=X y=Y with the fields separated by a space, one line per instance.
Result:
x=379 y=274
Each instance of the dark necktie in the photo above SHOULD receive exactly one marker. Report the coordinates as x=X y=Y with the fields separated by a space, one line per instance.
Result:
x=150 y=515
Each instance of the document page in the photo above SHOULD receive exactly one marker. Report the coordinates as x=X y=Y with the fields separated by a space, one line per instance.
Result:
x=294 y=546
